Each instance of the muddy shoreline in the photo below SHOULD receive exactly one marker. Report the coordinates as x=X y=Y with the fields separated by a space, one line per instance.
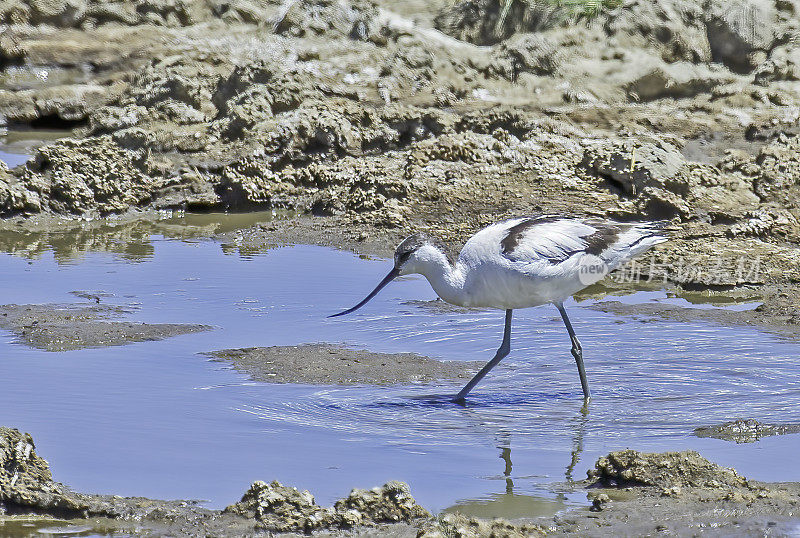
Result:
x=627 y=492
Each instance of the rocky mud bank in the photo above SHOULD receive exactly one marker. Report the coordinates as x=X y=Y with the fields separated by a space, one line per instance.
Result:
x=628 y=492
x=371 y=119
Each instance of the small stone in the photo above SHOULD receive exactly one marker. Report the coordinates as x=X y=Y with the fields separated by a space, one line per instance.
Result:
x=599 y=502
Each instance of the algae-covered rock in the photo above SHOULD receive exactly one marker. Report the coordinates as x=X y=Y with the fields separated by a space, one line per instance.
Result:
x=663 y=470
x=14 y=196
x=25 y=479
x=20 y=466
x=281 y=508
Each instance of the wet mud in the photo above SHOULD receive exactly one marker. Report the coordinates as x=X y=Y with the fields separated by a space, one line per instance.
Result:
x=327 y=364
x=65 y=327
x=745 y=430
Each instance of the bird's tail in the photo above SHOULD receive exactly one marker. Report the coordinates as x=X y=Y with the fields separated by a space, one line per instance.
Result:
x=638 y=238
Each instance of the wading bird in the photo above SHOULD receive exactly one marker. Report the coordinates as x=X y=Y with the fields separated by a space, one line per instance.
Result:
x=523 y=262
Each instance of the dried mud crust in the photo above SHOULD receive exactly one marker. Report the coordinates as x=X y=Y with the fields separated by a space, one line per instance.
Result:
x=327 y=364
x=65 y=327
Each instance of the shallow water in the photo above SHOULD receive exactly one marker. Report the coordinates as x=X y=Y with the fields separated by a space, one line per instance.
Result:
x=17 y=145
x=158 y=419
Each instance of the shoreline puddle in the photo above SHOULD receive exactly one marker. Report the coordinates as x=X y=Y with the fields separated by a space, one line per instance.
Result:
x=119 y=420
x=18 y=145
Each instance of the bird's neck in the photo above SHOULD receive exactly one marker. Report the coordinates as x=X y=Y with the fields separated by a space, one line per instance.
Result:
x=446 y=279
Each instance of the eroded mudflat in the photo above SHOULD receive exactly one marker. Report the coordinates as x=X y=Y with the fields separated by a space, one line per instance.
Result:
x=755 y=317
x=328 y=364
x=373 y=119
x=65 y=327
x=628 y=492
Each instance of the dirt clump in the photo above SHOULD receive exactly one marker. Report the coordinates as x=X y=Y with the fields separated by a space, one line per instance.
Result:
x=78 y=176
x=390 y=503
x=283 y=509
x=664 y=470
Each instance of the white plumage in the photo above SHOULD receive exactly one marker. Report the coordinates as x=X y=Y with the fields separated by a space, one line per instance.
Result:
x=524 y=262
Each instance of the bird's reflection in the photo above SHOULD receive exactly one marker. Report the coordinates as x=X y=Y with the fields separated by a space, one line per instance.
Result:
x=507 y=503
x=578 y=425
x=505 y=455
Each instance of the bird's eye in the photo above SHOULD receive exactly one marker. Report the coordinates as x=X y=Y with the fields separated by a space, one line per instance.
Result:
x=402 y=257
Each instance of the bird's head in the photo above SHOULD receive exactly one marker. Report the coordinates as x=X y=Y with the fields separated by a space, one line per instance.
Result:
x=414 y=252
x=410 y=256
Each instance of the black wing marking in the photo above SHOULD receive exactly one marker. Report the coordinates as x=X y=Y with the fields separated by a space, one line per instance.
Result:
x=512 y=239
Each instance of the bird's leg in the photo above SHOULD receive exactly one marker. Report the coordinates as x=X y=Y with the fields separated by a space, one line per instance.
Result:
x=577 y=351
x=502 y=351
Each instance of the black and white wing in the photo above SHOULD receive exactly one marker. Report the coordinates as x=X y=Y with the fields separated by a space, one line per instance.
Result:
x=556 y=239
